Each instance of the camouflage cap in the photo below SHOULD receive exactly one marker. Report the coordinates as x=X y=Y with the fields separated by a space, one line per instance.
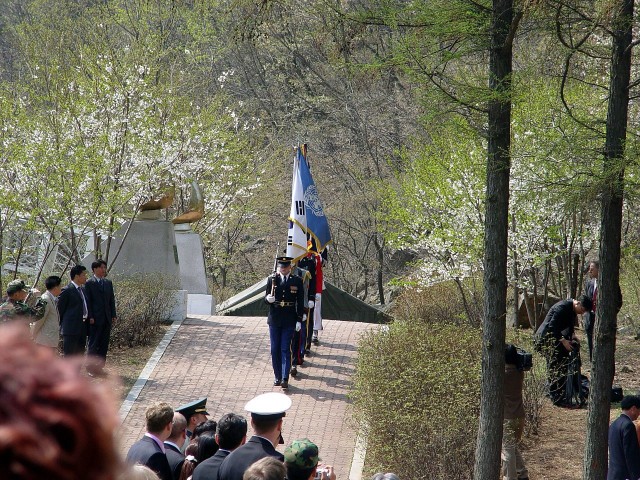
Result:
x=16 y=285
x=302 y=454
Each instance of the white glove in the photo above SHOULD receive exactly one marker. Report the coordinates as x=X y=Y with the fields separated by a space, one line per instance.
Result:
x=304 y=317
x=298 y=326
x=318 y=297
x=271 y=298
x=312 y=304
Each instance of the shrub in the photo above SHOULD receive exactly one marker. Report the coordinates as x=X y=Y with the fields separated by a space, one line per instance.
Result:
x=416 y=397
x=142 y=305
x=450 y=302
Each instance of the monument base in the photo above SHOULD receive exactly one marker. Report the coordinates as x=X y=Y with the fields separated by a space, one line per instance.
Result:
x=180 y=301
x=199 y=304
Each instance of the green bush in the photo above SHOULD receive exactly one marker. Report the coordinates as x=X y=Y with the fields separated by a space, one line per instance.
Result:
x=143 y=303
x=443 y=302
x=416 y=396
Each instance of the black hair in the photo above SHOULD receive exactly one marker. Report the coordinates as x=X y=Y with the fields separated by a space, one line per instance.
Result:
x=52 y=282
x=207 y=446
x=586 y=302
x=98 y=263
x=630 y=401
x=77 y=270
x=204 y=427
x=231 y=430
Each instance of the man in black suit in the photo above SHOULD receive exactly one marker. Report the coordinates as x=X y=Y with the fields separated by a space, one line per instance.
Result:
x=173 y=444
x=556 y=340
x=150 y=450
x=267 y=411
x=285 y=296
x=102 y=313
x=231 y=433
x=624 y=452
x=591 y=291
x=74 y=310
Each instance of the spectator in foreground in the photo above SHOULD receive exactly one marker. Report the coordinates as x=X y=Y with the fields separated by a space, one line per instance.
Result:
x=230 y=434
x=385 y=476
x=54 y=422
x=301 y=461
x=624 y=451
x=150 y=450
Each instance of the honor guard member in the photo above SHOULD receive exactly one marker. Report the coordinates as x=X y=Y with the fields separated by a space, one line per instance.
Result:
x=195 y=413
x=285 y=296
x=299 y=337
x=16 y=306
x=267 y=412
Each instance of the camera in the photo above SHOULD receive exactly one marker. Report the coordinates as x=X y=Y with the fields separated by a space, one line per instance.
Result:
x=322 y=474
x=524 y=360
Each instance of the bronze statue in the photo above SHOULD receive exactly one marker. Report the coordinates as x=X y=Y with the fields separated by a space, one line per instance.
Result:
x=196 y=206
x=163 y=202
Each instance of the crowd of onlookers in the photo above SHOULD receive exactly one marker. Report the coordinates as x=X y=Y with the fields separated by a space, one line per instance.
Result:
x=57 y=423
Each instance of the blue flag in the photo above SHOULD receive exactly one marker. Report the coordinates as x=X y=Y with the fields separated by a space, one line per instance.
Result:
x=317 y=223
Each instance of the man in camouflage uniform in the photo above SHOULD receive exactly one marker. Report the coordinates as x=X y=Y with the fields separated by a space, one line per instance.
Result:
x=301 y=461
x=16 y=307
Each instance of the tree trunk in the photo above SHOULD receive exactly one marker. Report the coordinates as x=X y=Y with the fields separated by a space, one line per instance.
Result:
x=489 y=439
x=595 y=453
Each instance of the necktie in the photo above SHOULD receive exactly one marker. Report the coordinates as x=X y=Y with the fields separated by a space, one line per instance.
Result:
x=85 y=312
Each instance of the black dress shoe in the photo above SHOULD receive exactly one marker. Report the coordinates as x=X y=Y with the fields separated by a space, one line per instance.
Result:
x=276 y=383
x=294 y=371
x=285 y=384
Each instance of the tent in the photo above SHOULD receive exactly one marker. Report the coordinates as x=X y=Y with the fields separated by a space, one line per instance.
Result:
x=336 y=305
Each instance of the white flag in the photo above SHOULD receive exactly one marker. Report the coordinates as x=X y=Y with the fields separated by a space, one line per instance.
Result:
x=297 y=235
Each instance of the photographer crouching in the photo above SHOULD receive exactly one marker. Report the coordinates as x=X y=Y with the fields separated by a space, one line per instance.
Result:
x=516 y=362
x=556 y=339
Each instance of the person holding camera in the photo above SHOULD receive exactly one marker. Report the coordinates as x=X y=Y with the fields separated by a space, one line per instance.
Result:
x=513 y=467
x=301 y=461
x=556 y=339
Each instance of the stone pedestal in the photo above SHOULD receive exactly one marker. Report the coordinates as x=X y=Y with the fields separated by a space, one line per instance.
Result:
x=199 y=304
x=193 y=272
x=191 y=254
x=149 y=250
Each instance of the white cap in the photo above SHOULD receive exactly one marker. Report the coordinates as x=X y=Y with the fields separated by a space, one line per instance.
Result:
x=270 y=405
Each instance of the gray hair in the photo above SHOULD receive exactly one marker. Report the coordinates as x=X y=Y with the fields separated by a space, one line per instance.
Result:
x=385 y=476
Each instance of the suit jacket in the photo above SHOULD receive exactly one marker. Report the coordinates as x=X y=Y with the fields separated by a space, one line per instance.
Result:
x=590 y=316
x=147 y=452
x=559 y=322
x=46 y=331
x=208 y=470
x=71 y=309
x=101 y=299
x=175 y=458
x=624 y=451
x=234 y=466
x=290 y=292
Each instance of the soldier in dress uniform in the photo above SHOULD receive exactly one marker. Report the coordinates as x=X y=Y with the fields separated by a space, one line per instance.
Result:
x=298 y=345
x=16 y=306
x=267 y=415
x=195 y=413
x=285 y=296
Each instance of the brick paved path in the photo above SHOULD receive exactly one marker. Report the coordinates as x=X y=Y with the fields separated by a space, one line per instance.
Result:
x=227 y=360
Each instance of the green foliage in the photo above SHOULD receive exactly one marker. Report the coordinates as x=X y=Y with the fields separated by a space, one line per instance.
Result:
x=416 y=395
x=143 y=304
x=630 y=286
